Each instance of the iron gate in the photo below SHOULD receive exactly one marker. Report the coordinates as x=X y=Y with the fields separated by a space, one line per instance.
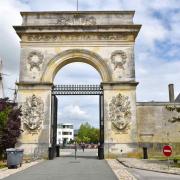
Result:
x=77 y=90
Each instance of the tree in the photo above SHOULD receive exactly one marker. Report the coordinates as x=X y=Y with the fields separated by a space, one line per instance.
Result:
x=176 y=109
x=10 y=124
x=88 y=134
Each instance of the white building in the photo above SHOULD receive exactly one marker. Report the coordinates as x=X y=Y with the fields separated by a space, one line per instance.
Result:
x=65 y=133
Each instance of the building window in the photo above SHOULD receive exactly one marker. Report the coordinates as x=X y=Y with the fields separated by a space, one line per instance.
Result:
x=67 y=133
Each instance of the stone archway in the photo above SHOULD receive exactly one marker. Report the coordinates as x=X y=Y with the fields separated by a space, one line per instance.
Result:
x=76 y=55
x=105 y=40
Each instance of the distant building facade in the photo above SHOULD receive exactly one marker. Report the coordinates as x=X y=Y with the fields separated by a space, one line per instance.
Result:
x=65 y=133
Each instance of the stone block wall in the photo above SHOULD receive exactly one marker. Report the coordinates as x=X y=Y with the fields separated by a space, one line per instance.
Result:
x=155 y=128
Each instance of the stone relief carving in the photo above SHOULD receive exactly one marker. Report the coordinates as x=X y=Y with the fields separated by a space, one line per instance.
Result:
x=120 y=112
x=76 y=20
x=35 y=59
x=118 y=58
x=33 y=113
x=77 y=37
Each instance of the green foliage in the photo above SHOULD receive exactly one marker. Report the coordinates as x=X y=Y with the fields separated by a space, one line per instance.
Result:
x=176 y=109
x=9 y=124
x=87 y=134
x=71 y=141
x=3 y=164
x=4 y=116
x=173 y=108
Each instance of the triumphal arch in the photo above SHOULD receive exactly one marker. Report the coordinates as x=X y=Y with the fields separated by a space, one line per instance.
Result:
x=103 y=39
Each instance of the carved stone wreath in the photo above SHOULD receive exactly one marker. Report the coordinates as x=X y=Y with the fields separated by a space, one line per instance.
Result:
x=33 y=111
x=35 y=59
x=120 y=112
x=118 y=58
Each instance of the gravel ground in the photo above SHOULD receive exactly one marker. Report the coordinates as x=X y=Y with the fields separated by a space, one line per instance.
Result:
x=119 y=170
x=152 y=165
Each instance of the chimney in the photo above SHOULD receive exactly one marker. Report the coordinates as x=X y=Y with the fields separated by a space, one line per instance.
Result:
x=171 y=92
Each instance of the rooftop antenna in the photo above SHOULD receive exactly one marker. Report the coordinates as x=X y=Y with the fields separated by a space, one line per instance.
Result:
x=15 y=92
x=77 y=5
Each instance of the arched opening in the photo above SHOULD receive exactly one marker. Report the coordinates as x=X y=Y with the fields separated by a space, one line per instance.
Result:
x=78 y=111
x=76 y=55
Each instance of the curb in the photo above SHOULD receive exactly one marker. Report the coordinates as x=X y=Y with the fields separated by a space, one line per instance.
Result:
x=147 y=169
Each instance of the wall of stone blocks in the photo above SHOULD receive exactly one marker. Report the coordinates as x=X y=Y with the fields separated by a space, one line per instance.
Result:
x=155 y=129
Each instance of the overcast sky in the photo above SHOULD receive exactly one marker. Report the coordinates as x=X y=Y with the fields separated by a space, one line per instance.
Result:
x=157 y=50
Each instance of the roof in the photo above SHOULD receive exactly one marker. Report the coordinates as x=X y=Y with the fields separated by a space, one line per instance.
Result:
x=177 y=98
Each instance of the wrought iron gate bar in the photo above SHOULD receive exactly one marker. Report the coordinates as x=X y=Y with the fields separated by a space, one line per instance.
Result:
x=77 y=90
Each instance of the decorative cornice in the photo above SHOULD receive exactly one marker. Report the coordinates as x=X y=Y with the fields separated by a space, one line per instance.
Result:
x=53 y=29
x=34 y=84
x=120 y=83
x=59 y=37
x=154 y=103
x=76 y=12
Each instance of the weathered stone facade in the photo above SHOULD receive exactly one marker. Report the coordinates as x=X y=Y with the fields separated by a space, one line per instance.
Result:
x=105 y=40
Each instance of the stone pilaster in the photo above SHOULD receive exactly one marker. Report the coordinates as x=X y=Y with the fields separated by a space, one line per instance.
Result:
x=35 y=100
x=120 y=127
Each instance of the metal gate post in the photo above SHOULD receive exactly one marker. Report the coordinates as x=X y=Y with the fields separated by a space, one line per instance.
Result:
x=101 y=119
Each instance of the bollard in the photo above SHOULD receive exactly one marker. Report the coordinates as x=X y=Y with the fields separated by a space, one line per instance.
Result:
x=57 y=150
x=101 y=152
x=50 y=156
x=145 y=153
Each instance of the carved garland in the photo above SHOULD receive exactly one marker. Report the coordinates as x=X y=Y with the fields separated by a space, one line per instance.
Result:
x=120 y=112
x=33 y=113
x=118 y=58
x=35 y=59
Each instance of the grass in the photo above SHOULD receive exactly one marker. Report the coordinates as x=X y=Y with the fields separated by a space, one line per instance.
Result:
x=137 y=155
x=3 y=164
x=165 y=158
x=177 y=165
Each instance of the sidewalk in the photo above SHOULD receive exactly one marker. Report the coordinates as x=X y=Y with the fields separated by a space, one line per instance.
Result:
x=150 y=165
x=5 y=172
x=120 y=171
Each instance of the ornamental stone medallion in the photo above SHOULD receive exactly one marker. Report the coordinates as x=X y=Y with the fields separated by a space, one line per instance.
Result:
x=32 y=111
x=120 y=112
x=118 y=59
x=35 y=59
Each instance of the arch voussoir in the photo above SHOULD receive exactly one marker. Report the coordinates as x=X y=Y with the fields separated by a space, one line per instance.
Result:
x=76 y=55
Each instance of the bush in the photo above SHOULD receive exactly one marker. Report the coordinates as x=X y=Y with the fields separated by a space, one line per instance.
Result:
x=10 y=124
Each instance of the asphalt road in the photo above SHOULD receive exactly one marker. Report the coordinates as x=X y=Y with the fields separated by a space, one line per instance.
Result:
x=85 y=167
x=149 y=175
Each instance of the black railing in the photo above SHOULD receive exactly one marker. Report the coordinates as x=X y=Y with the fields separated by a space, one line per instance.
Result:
x=77 y=90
